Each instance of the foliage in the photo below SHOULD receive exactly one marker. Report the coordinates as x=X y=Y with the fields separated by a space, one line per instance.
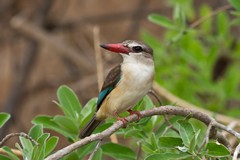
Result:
x=74 y=118
x=152 y=135
x=45 y=144
x=204 y=53
x=3 y=118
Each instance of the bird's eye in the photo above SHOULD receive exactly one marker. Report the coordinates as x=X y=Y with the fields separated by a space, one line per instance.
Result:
x=137 y=49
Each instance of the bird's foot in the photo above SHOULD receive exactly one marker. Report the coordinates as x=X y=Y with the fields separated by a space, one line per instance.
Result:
x=121 y=119
x=135 y=112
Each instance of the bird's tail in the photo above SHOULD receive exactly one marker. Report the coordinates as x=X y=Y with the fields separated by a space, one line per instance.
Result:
x=90 y=127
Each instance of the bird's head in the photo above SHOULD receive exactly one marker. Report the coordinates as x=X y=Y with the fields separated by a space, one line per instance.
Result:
x=131 y=50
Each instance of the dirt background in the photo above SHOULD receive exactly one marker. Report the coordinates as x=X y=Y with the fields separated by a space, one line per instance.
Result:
x=47 y=43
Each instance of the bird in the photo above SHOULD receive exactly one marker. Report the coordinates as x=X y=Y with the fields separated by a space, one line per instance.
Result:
x=125 y=85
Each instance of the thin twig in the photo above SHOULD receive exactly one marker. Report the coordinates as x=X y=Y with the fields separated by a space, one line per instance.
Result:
x=236 y=152
x=154 y=94
x=231 y=141
x=170 y=124
x=139 y=151
x=95 y=150
x=206 y=138
x=166 y=110
x=15 y=151
x=165 y=130
x=223 y=140
x=213 y=13
x=98 y=56
x=7 y=137
x=227 y=129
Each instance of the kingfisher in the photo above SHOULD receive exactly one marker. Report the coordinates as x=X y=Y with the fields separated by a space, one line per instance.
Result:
x=125 y=85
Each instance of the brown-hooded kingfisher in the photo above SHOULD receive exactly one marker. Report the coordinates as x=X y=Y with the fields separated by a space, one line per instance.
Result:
x=126 y=84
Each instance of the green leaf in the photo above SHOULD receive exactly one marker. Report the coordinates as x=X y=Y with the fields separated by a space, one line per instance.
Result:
x=222 y=24
x=51 y=144
x=2 y=157
x=147 y=147
x=67 y=123
x=4 y=117
x=206 y=26
x=10 y=153
x=72 y=156
x=118 y=151
x=47 y=122
x=217 y=150
x=102 y=127
x=235 y=4
x=186 y=132
x=26 y=145
x=36 y=131
x=170 y=142
x=43 y=138
x=134 y=132
x=194 y=141
x=153 y=141
x=86 y=149
x=161 y=20
x=168 y=156
x=173 y=120
x=39 y=150
x=69 y=102
x=88 y=112
x=179 y=17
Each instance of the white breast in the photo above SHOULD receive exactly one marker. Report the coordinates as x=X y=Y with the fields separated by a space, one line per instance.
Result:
x=135 y=82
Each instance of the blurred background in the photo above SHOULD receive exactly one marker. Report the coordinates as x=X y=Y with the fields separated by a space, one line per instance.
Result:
x=47 y=43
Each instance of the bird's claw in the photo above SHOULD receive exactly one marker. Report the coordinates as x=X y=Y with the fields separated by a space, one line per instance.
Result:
x=135 y=112
x=122 y=119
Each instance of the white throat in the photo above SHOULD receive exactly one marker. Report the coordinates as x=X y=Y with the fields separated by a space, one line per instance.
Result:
x=137 y=58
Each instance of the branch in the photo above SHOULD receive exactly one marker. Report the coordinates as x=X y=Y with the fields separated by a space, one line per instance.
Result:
x=7 y=137
x=162 y=92
x=164 y=110
x=206 y=138
x=215 y=12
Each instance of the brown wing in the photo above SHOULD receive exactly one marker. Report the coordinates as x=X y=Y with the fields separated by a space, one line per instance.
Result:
x=109 y=84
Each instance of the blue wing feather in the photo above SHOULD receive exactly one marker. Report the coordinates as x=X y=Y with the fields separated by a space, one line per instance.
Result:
x=110 y=83
x=103 y=94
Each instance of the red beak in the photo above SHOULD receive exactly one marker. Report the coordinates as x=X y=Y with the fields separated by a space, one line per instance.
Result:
x=118 y=48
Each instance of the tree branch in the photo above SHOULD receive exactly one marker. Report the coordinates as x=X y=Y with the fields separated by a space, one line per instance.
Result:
x=164 y=93
x=164 y=110
x=21 y=134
